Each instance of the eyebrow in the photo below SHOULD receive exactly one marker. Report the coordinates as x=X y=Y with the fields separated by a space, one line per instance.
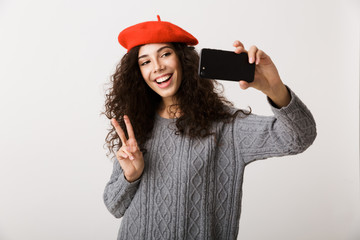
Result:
x=146 y=55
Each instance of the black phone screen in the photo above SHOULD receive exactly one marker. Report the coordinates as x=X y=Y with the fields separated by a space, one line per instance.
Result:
x=225 y=65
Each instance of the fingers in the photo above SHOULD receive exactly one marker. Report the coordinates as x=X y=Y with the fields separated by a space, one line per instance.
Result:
x=119 y=131
x=252 y=53
x=124 y=163
x=259 y=56
x=122 y=136
x=121 y=155
x=124 y=153
x=244 y=85
x=255 y=55
x=237 y=43
x=239 y=47
x=129 y=127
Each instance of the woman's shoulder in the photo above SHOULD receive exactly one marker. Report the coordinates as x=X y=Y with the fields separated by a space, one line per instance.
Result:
x=235 y=115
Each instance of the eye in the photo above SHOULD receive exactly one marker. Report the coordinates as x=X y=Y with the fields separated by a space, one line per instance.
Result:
x=144 y=63
x=166 y=54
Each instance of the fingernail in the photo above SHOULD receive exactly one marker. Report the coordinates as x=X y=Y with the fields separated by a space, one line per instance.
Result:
x=251 y=60
x=131 y=158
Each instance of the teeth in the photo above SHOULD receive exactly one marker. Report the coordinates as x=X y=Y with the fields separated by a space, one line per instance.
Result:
x=162 y=79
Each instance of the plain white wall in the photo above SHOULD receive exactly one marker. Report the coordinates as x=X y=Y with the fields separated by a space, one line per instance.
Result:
x=55 y=57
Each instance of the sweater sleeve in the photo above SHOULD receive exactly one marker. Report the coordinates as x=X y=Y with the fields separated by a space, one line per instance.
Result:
x=290 y=131
x=118 y=192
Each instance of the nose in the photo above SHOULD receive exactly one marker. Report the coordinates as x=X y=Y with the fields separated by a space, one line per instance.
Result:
x=158 y=66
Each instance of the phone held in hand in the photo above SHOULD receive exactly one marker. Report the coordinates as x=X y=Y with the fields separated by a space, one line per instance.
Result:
x=225 y=65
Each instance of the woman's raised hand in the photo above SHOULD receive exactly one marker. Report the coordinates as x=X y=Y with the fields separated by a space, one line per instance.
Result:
x=129 y=155
x=266 y=77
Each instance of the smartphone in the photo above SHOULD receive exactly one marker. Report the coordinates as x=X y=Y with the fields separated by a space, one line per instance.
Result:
x=225 y=65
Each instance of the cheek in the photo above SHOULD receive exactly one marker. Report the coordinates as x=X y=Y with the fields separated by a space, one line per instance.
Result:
x=144 y=74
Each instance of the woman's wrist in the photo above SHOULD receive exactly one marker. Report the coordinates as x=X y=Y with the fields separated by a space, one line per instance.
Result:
x=280 y=96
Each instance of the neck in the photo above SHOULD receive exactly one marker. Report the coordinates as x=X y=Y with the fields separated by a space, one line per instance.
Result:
x=169 y=109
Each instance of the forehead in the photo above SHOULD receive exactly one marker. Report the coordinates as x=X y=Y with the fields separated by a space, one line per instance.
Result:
x=150 y=48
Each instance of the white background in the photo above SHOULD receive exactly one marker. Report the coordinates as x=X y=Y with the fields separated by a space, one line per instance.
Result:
x=55 y=57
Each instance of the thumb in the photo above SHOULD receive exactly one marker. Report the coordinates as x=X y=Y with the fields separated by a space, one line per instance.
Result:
x=244 y=85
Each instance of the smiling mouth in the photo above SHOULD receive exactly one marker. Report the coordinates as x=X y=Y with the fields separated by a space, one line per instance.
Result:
x=163 y=79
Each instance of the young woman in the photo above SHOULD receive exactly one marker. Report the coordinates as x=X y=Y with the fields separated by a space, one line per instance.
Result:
x=180 y=147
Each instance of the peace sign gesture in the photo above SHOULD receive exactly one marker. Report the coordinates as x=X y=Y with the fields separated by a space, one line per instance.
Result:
x=129 y=155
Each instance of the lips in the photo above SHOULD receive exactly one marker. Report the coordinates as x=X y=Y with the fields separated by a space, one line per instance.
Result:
x=164 y=80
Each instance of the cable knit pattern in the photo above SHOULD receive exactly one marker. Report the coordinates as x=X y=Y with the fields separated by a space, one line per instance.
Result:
x=192 y=188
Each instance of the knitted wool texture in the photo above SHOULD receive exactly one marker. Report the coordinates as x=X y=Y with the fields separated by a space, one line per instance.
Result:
x=192 y=188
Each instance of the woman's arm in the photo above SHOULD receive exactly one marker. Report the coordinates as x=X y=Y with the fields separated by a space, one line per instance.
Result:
x=290 y=131
x=119 y=192
x=127 y=171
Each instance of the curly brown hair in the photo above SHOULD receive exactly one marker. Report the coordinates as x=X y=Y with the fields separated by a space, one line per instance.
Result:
x=200 y=101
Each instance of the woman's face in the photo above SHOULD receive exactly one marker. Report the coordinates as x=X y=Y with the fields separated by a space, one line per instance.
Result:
x=161 y=68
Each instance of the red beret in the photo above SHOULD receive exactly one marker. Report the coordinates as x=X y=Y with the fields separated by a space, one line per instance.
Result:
x=154 y=32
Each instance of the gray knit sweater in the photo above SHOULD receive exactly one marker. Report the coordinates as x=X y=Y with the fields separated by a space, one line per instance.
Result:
x=192 y=188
